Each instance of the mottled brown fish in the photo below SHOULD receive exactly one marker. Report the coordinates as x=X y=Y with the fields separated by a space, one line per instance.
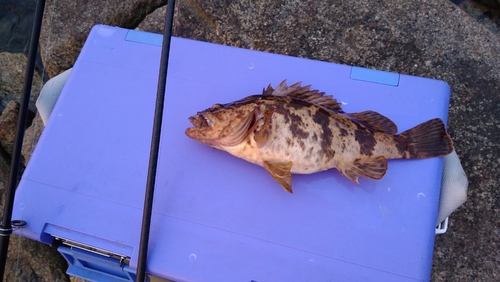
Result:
x=292 y=129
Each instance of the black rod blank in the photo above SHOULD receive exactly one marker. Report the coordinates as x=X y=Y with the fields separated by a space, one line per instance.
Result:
x=6 y=226
x=155 y=145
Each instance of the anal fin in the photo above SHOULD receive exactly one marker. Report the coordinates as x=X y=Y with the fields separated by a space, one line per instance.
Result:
x=281 y=173
x=368 y=167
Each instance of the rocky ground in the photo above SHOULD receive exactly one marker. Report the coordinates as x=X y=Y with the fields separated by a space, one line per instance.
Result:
x=456 y=42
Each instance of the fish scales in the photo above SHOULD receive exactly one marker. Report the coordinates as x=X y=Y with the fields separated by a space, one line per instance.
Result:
x=295 y=125
x=291 y=129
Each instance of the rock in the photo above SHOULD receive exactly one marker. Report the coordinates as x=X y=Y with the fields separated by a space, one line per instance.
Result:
x=66 y=25
x=489 y=16
x=4 y=178
x=16 y=22
x=12 y=72
x=155 y=22
x=492 y=4
x=31 y=136
x=8 y=126
x=30 y=261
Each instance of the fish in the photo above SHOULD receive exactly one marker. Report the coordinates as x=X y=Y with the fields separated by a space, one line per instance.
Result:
x=295 y=130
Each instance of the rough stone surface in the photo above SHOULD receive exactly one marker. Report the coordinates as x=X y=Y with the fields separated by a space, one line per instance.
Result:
x=67 y=23
x=8 y=125
x=493 y=4
x=4 y=178
x=12 y=71
x=31 y=261
x=487 y=15
x=16 y=20
x=31 y=136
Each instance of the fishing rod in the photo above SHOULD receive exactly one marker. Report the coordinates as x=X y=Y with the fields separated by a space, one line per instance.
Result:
x=6 y=225
x=155 y=144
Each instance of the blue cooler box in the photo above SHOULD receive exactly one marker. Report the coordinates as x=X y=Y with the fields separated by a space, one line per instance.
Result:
x=217 y=217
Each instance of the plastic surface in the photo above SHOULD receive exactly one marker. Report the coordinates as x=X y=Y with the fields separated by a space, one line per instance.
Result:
x=375 y=76
x=216 y=217
x=95 y=267
x=454 y=187
x=442 y=227
x=49 y=95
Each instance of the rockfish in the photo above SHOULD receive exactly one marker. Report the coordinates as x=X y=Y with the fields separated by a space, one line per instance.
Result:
x=292 y=129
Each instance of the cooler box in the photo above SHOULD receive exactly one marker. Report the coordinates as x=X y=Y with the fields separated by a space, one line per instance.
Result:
x=217 y=217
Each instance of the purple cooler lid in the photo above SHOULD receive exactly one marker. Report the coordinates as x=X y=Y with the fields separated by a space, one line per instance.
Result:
x=217 y=217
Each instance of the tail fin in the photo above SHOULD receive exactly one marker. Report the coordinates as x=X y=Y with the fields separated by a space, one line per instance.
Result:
x=427 y=140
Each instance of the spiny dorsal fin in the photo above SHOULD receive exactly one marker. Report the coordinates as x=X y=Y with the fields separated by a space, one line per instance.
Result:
x=304 y=93
x=374 y=121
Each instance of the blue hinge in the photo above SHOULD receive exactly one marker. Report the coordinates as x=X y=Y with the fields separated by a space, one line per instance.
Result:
x=144 y=37
x=96 y=267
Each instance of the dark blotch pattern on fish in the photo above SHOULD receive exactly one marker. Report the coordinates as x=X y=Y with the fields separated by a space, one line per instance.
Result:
x=309 y=153
x=282 y=111
x=315 y=137
x=322 y=118
x=343 y=132
x=302 y=145
x=366 y=141
x=412 y=150
x=296 y=127
x=294 y=121
x=401 y=146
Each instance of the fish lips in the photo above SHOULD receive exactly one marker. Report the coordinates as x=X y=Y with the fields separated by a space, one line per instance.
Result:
x=200 y=122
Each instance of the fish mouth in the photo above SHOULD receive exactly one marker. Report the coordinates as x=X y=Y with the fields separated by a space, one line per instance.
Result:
x=200 y=121
x=202 y=125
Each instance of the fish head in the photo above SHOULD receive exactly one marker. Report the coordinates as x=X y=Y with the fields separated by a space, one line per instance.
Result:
x=222 y=125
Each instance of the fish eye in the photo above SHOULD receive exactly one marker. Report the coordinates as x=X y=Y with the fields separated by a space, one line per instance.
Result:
x=216 y=107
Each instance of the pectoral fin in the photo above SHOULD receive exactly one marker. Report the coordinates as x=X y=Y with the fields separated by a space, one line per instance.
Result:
x=281 y=173
x=368 y=167
x=240 y=131
x=264 y=128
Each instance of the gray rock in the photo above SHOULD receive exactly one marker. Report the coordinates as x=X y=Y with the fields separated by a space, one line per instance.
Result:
x=31 y=261
x=12 y=72
x=31 y=136
x=489 y=16
x=492 y=4
x=67 y=23
x=16 y=22
x=4 y=178
x=8 y=126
